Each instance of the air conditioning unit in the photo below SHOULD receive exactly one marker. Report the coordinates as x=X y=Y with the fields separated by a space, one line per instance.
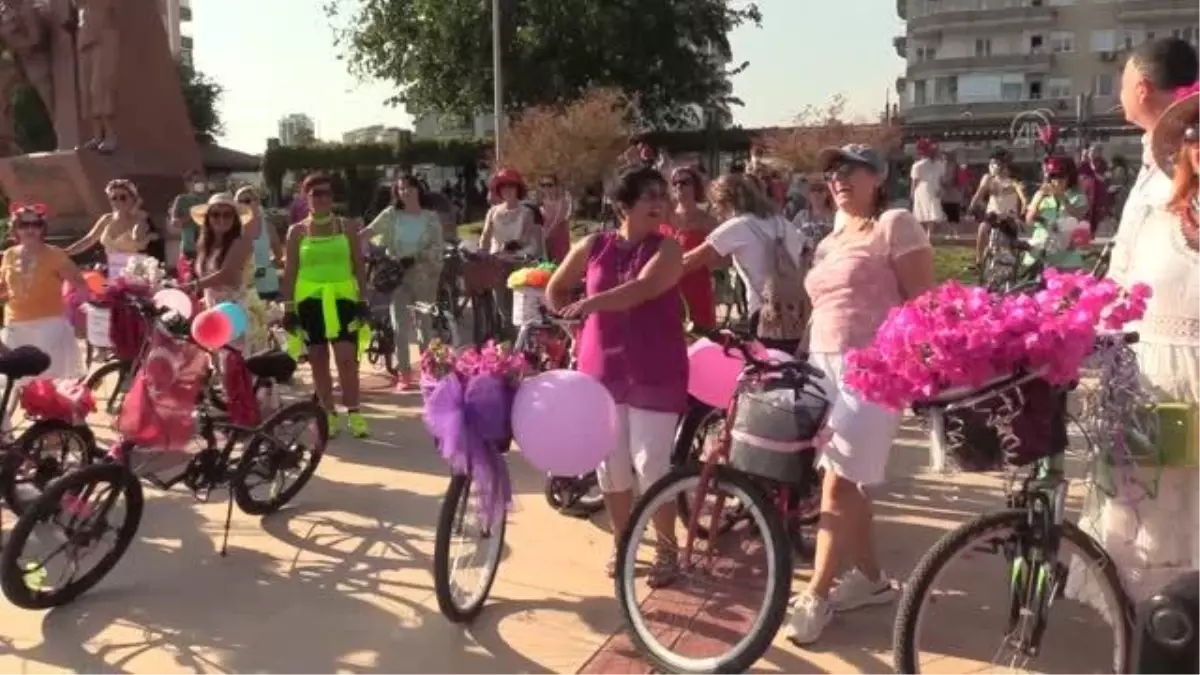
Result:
x=1108 y=56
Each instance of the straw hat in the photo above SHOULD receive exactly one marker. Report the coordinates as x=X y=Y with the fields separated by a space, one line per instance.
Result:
x=1167 y=136
x=222 y=199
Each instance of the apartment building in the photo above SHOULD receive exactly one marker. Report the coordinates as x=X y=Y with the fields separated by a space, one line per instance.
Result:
x=376 y=133
x=176 y=14
x=297 y=129
x=979 y=71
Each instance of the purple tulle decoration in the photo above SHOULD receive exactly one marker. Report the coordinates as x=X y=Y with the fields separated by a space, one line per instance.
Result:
x=471 y=425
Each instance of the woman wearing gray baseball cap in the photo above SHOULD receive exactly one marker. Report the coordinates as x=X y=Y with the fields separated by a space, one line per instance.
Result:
x=874 y=260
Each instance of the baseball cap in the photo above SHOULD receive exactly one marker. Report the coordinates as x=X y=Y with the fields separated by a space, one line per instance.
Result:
x=854 y=153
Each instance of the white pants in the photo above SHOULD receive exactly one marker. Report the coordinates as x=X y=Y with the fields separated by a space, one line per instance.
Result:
x=645 y=439
x=862 y=431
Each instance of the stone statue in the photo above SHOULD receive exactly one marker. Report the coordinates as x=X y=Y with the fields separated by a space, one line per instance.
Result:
x=11 y=79
x=99 y=47
x=24 y=31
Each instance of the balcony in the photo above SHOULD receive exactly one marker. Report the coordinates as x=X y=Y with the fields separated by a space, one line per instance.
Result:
x=185 y=13
x=1142 y=10
x=902 y=9
x=186 y=43
x=977 y=15
x=900 y=43
x=935 y=112
x=900 y=83
x=1026 y=63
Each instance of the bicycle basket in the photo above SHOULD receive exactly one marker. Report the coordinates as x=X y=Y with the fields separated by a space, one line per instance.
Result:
x=1017 y=426
x=774 y=425
x=387 y=276
x=483 y=275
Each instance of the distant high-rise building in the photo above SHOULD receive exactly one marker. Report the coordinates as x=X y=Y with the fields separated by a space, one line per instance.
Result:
x=979 y=71
x=376 y=133
x=297 y=129
x=175 y=14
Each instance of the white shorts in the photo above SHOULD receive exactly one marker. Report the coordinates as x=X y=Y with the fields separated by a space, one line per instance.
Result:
x=862 y=431
x=55 y=336
x=645 y=439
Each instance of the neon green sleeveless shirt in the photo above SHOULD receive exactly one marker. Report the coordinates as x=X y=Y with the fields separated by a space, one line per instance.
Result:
x=326 y=271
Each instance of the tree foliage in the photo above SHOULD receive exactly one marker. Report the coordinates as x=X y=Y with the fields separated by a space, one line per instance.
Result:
x=201 y=96
x=579 y=143
x=822 y=126
x=665 y=54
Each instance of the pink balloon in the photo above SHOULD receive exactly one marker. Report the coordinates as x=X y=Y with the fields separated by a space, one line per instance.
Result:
x=564 y=421
x=712 y=375
x=212 y=329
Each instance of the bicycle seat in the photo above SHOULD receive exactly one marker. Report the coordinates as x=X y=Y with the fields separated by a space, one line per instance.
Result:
x=27 y=361
x=272 y=365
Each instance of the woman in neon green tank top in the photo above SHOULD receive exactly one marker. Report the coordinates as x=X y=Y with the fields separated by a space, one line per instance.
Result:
x=322 y=280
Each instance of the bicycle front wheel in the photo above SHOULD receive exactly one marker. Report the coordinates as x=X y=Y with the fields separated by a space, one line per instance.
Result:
x=982 y=616
x=466 y=553
x=731 y=592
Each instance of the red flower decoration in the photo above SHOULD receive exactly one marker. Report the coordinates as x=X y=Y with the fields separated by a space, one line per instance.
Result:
x=16 y=207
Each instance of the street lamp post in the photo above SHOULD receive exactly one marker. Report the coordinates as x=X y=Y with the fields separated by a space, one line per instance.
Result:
x=497 y=81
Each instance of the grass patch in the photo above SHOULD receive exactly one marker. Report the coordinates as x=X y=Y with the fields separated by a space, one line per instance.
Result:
x=952 y=261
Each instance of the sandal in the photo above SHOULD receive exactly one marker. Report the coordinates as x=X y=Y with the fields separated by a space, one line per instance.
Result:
x=665 y=568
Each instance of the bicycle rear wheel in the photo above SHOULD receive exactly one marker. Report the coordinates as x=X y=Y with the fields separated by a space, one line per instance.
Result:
x=753 y=563
x=46 y=451
x=71 y=518
x=977 y=603
x=459 y=598
x=276 y=452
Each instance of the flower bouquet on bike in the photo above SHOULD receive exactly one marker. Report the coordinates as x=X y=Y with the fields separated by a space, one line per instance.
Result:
x=468 y=399
x=992 y=373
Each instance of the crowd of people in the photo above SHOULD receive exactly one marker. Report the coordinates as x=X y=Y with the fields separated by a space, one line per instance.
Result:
x=819 y=283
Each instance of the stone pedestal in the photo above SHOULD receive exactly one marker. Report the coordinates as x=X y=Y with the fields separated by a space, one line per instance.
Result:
x=71 y=183
x=157 y=145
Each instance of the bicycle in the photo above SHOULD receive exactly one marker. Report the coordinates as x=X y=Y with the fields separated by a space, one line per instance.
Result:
x=1030 y=536
x=765 y=488
x=1001 y=267
x=71 y=502
x=43 y=451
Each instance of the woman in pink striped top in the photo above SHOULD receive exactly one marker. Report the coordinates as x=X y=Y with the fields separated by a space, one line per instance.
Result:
x=874 y=260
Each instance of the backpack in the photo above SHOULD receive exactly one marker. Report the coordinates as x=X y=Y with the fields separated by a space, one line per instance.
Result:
x=785 y=304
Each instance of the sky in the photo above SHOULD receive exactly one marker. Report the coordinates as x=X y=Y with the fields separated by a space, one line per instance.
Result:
x=265 y=53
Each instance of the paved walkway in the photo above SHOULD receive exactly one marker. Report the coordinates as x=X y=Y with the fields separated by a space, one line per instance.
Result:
x=342 y=582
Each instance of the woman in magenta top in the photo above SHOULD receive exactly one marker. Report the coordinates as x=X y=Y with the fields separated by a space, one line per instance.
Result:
x=690 y=225
x=633 y=342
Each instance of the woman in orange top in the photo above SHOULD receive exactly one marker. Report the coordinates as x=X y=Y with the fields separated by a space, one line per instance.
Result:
x=689 y=226
x=31 y=279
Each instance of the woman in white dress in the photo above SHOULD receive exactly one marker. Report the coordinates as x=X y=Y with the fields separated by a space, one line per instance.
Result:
x=927 y=175
x=1154 y=540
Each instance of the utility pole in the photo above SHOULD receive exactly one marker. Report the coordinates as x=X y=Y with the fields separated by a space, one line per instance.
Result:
x=497 y=81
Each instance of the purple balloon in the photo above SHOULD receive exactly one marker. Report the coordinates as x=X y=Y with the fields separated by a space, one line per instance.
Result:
x=564 y=421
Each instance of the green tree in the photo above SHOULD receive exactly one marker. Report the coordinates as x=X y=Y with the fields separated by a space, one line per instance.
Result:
x=664 y=55
x=201 y=95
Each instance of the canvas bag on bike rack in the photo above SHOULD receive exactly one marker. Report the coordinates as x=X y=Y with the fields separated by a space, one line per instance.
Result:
x=777 y=420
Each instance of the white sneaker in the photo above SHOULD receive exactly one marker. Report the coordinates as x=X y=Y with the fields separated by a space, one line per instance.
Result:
x=854 y=590
x=810 y=616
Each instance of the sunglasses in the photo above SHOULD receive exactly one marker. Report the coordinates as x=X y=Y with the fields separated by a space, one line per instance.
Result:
x=118 y=197
x=222 y=214
x=546 y=185
x=30 y=225
x=842 y=171
x=247 y=200
x=681 y=182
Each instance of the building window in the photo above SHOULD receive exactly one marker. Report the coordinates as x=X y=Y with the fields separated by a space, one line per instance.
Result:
x=1035 y=90
x=983 y=46
x=945 y=90
x=1129 y=38
x=1062 y=42
x=1035 y=44
x=1058 y=87
x=1011 y=91
x=1104 y=84
x=1104 y=40
x=918 y=90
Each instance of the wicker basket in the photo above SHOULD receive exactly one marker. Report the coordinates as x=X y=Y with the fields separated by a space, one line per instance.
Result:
x=969 y=439
x=482 y=275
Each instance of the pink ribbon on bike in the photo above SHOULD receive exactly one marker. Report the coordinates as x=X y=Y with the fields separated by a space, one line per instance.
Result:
x=471 y=425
